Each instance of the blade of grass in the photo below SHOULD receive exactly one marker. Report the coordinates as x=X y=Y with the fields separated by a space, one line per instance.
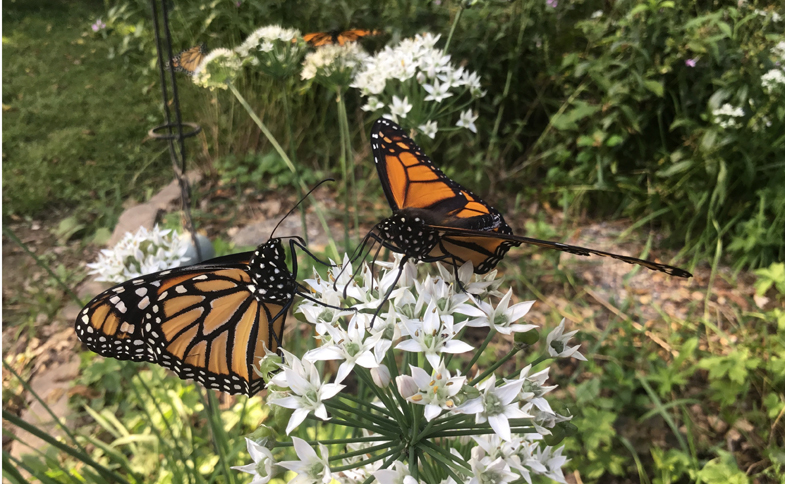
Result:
x=11 y=235
x=107 y=473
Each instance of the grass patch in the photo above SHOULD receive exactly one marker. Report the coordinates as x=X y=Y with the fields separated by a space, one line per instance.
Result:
x=75 y=122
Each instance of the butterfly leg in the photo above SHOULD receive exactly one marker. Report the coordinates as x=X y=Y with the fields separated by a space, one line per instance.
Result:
x=321 y=303
x=298 y=242
x=391 y=289
x=271 y=325
x=357 y=255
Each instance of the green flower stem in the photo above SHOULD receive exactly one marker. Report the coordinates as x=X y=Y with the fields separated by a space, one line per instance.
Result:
x=541 y=359
x=491 y=333
x=413 y=462
x=452 y=29
x=365 y=462
x=355 y=453
x=293 y=155
x=461 y=433
x=403 y=419
x=373 y=438
x=448 y=423
x=285 y=157
x=349 y=422
x=393 y=366
x=493 y=367
x=356 y=400
x=447 y=459
x=332 y=404
x=11 y=235
x=424 y=432
x=427 y=473
x=346 y=140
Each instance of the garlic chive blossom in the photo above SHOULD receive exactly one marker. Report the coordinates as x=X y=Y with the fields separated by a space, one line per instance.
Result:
x=479 y=430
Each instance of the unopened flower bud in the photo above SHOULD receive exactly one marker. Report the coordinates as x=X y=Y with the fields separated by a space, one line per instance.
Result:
x=381 y=376
x=406 y=386
x=264 y=436
x=557 y=435
x=528 y=338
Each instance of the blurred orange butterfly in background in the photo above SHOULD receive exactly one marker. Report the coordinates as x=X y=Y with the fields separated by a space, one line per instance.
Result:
x=318 y=39
x=189 y=59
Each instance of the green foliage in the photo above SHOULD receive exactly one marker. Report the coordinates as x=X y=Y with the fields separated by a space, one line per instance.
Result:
x=74 y=122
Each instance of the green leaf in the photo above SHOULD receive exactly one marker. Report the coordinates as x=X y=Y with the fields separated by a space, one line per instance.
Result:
x=675 y=169
x=655 y=87
x=614 y=140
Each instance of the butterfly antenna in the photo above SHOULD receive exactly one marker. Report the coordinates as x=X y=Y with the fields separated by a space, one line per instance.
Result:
x=298 y=204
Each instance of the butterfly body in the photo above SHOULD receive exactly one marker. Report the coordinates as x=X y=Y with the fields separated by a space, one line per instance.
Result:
x=457 y=224
x=208 y=322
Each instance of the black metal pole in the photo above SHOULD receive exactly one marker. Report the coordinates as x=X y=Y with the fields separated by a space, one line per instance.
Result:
x=176 y=151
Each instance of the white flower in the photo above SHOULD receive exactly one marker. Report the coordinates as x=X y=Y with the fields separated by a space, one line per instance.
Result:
x=381 y=376
x=534 y=388
x=501 y=318
x=352 y=346
x=398 y=475
x=485 y=471
x=310 y=468
x=400 y=108
x=139 y=254
x=724 y=116
x=262 y=463
x=435 y=391
x=303 y=379
x=554 y=462
x=263 y=38
x=496 y=405
x=596 y=14
x=433 y=337
x=772 y=80
x=472 y=81
x=779 y=50
x=373 y=104
x=218 y=69
x=557 y=344
x=429 y=129
x=334 y=65
x=437 y=92
x=467 y=120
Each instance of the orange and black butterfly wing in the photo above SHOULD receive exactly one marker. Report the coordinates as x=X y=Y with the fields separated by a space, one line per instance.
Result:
x=189 y=59
x=203 y=322
x=462 y=243
x=354 y=35
x=317 y=39
x=467 y=228
x=412 y=182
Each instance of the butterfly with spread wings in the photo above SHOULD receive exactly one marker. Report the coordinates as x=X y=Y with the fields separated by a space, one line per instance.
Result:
x=318 y=39
x=189 y=59
x=436 y=219
x=208 y=322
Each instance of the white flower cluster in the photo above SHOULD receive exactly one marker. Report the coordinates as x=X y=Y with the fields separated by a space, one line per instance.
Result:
x=141 y=253
x=726 y=115
x=274 y=50
x=773 y=80
x=334 y=65
x=775 y=17
x=422 y=317
x=416 y=74
x=264 y=39
x=218 y=69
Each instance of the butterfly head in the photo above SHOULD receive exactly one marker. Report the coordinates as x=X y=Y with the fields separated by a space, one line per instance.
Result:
x=271 y=277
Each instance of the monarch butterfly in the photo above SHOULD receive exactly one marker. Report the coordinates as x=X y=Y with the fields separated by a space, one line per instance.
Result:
x=318 y=39
x=208 y=322
x=436 y=219
x=189 y=59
